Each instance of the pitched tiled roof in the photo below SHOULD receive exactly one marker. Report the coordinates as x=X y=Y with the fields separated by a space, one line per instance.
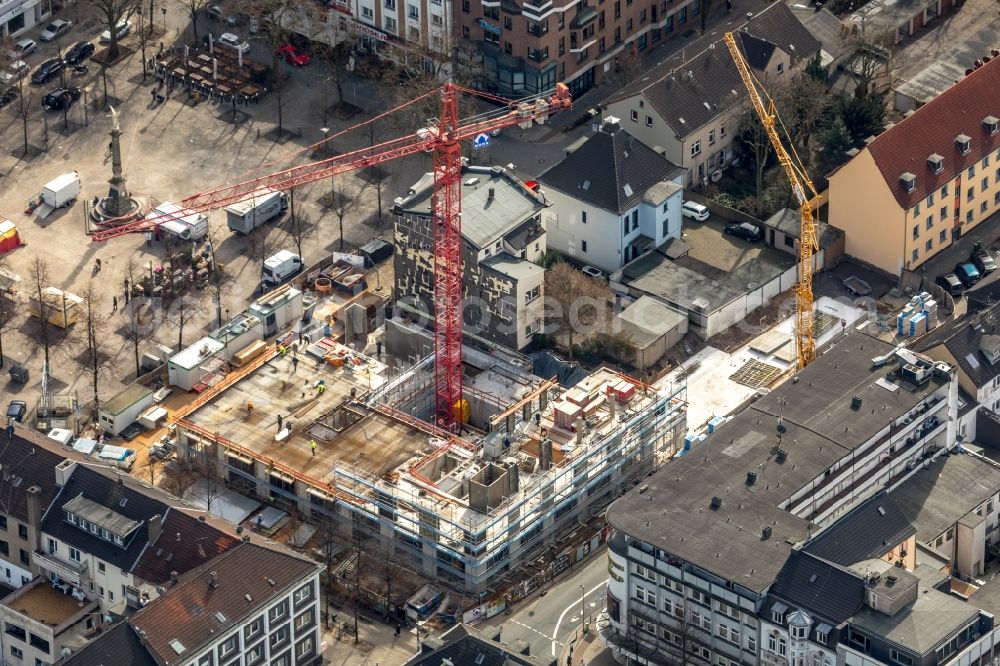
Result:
x=819 y=587
x=195 y=613
x=184 y=543
x=962 y=337
x=25 y=465
x=757 y=51
x=611 y=171
x=866 y=532
x=689 y=93
x=118 y=646
x=905 y=147
x=464 y=645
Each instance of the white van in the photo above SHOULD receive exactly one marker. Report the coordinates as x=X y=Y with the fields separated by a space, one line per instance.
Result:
x=280 y=267
x=180 y=222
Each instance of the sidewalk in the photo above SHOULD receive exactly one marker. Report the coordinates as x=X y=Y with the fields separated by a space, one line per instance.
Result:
x=588 y=651
x=376 y=646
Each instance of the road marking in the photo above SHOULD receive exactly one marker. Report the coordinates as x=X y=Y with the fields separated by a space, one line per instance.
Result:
x=573 y=606
x=535 y=630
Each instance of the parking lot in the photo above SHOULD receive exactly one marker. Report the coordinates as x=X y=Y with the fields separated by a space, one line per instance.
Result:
x=711 y=245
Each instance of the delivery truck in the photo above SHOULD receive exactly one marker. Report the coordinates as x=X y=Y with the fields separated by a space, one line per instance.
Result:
x=261 y=206
x=280 y=267
x=180 y=222
x=58 y=192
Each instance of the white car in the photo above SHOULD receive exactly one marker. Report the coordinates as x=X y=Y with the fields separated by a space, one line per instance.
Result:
x=23 y=48
x=595 y=273
x=216 y=13
x=234 y=42
x=122 y=29
x=14 y=71
x=54 y=30
x=694 y=211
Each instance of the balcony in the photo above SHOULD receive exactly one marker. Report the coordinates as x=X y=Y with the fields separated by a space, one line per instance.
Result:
x=71 y=572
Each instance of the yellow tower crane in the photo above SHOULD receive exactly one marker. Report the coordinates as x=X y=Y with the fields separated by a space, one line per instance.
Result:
x=805 y=193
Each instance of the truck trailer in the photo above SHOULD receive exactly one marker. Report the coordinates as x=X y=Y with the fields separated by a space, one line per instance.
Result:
x=260 y=206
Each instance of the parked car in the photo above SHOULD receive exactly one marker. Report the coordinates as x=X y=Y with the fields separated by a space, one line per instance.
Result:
x=60 y=98
x=17 y=409
x=983 y=260
x=8 y=96
x=47 y=70
x=233 y=41
x=292 y=55
x=967 y=273
x=79 y=52
x=746 y=231
x=951 y=284
x=15 y=71
x=122 y=29
x=694 y=211
x=22 y=49
x=595 y=273
x=216 y=13
x=54 y=30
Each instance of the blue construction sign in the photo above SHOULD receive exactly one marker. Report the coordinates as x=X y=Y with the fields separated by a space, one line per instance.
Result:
x=481 y=141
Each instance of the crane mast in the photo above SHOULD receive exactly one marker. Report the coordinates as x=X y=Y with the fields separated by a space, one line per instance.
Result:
x=805 y=194
x=443 y=139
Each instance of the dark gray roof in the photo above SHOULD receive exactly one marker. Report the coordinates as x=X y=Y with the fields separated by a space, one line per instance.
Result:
x=25 y=464
x=116 y=494
x=944 y=490
x=602 y=168
x=689 y=93
x=962 y=338
x=757 y=51
x=922 y=626
x=673 y=512
x=789 y=222
x=117 y=646
x=819 y=587
x=864 y=533
x=464 y=645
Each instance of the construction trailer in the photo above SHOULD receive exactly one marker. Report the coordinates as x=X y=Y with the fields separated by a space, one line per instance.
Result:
x=124 y=409
x=60 y=308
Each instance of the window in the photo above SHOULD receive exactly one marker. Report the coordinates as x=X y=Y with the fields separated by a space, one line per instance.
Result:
x=944 y=188
x=4 y=549
x=944 y=213
x=628 y=25
x=101 y=567
x=928 y=245
x=304 y=648
x=303 y=594
x=206 y=660
x=722 y=130
x=916 y=210
x=508 y=24
x=898 y=657
x=968 y=216
x=390 y=24
x=390 y=4
x=583 y=246
x=368 y=12
x=751 y=643
x=229 y=646
x=22 y=531
x=982 y=207
x=583 y=217
x=635 y=116
x=930 y=222
x=915 y=255
x=711 y=137
x=74 y=554
x=695 y=148
x=253 y=629
x=3 y=523
x=532 y=294
x=255 y=655
x=916 y=231
x=972 y=171
x=986 y=161
x=649 y=121
x=996 y=199
x=970 y=193
x=799 y=632
x=278 y=638
x=943 y=236
x=278 y=612
x=16 y=652
x=984 y=184
x=25 y=556
x=781 y=68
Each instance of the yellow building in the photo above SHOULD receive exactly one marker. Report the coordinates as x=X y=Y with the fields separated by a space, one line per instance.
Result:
x=921 y=184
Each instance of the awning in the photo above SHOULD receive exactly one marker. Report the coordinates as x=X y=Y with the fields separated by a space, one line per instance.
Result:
x=583 y=17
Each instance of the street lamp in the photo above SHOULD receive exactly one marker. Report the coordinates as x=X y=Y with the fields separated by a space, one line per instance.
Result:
x=163 y=10
x=86 y=120
x=583 y=611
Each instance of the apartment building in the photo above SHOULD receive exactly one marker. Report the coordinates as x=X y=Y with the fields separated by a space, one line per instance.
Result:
x=527 y=49
x=922 y=183
x=687 y=109
x=503 y=236
x=614 y=199
x=712 y=532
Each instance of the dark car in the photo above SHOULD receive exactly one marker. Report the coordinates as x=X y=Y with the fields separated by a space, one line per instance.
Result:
x=375 y=252
x=983 y=260
x=967 y=273
x=950 y=283
x=8 y=96
x=60 y=98
x=16 y=410
x=78 y=53
x=47 y=70
x=746 y=231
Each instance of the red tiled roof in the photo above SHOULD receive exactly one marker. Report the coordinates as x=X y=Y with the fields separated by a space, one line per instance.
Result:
x=933 y=128
x=184 y=543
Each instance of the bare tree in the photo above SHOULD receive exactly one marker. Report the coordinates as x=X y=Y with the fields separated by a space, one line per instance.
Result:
x=874 y=60
x=755 y=141
x=25 y=105
x=178 y=477
x=628 y=67
x=375 y=175
x=92 y=326
x=572 y=299
x=112 y=13
x=152 y=465
x=195 y=7
x=182 y=311
x=38 y=276
x=7 y=310
x=261 y=247
x=299 y=226
x=138 y=326
x=341 y=204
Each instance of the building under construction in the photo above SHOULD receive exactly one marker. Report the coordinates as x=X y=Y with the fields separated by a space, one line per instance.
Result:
x=537 y=460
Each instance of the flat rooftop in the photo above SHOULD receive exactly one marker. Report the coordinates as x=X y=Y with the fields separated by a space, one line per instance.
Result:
x=43 y=603
x=673 y=512
x=939 y=73
x=943 y=491
x=924 y=624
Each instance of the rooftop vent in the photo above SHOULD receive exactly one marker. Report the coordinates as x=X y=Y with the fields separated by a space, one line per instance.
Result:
x=751 y=478
x=990 y=124
x=935 y=162
x=716 y=503
x=964 y=143
x=491 y=195
x=177 y=646
x=781 y=456
x=213 y=579
x=627 y=189
x=472 y=181
x=909 y=181
x=856 y=402
x=765 y=533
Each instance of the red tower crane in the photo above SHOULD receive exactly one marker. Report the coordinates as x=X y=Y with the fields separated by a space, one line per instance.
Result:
x=443 y=140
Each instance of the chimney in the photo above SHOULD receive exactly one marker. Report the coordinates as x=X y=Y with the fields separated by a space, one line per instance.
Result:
x=213 y=580
x=155 y=527
x=173 y=578
x=491 y=194
x=64 y=470
x=34 y=499
x=612 y=403
x=579 y=430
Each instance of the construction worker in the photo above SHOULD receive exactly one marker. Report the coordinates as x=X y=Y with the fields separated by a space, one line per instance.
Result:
x=321 y=388
x=312 y=446
x=282 y=349
x=295 y=363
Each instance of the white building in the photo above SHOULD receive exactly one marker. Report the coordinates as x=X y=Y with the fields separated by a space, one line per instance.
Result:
x=19 y=16
x=614 y=199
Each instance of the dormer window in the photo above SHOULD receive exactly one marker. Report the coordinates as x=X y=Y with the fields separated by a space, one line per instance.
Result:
x=964 y=143
x=908 y=181
x=990 y=124
x=936 y=163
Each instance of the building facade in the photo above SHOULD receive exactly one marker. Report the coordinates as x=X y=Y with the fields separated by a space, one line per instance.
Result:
x=614 y=199
x=504 y=236
x=19 y=16
x=924 y=182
